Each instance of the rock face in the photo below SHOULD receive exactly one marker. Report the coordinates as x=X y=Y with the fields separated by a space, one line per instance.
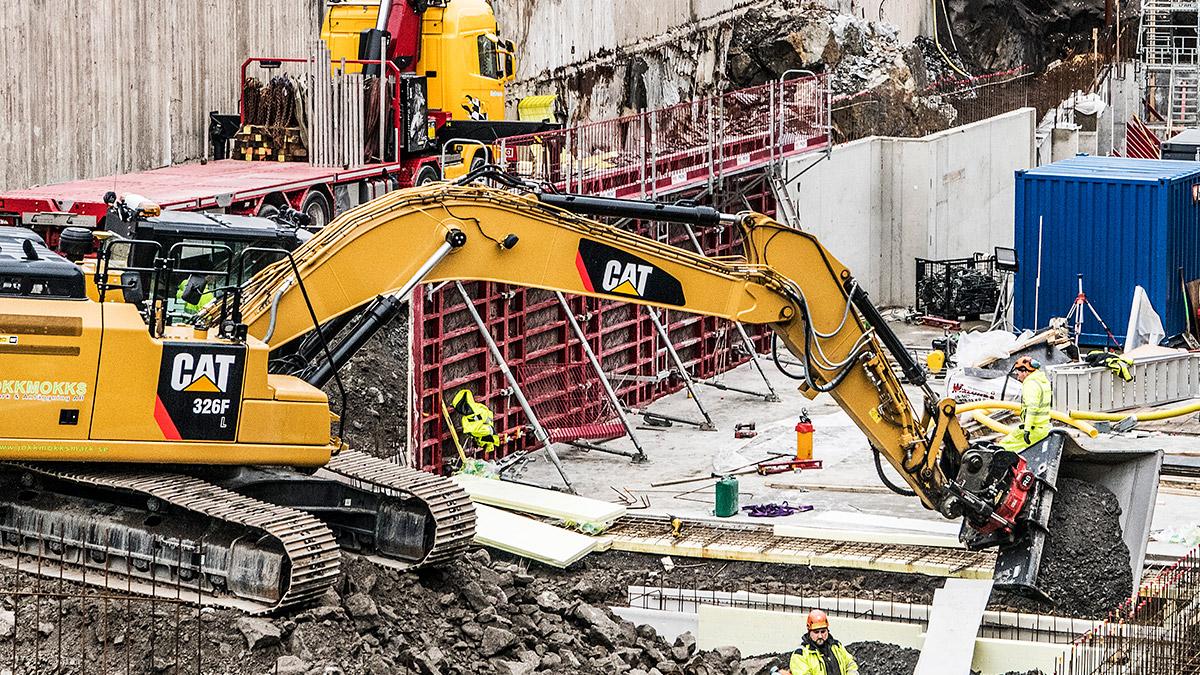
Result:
x=1001 y=34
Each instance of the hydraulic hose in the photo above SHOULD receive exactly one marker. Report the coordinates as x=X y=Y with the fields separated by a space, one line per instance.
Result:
x=1141 y=417
x=1054 y=414
x=905 y=492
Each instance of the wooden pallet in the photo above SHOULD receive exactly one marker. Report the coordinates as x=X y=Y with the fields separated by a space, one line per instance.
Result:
x=257 y=143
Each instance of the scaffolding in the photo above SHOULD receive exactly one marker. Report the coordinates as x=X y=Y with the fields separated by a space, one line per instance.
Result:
x=1167 y=49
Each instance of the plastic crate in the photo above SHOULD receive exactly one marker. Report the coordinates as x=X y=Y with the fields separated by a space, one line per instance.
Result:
x=957 y=288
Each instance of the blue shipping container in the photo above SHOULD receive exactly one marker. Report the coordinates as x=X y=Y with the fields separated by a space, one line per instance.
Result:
x=1120 y=223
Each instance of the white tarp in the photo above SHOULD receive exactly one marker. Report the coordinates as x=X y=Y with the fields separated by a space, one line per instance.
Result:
x=1145 y=326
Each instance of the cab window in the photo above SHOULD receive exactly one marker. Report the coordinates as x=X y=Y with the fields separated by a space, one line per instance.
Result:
x=488 y=63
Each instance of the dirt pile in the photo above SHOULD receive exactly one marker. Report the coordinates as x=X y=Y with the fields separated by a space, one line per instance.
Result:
x=1086 y=564
x=376 y=386
x=880 y=658
x=475 y=616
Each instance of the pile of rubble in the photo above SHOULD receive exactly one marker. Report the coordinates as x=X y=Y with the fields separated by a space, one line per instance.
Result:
x=473 y=616
x=858 y=54
x=376 y=410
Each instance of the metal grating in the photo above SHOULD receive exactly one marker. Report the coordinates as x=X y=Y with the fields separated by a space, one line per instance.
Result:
x=758 y=543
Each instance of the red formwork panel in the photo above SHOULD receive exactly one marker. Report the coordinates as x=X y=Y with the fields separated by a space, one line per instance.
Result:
x=448 y=353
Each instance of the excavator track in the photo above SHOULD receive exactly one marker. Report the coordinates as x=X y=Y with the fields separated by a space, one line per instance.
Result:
x=165 y=534
x=450 y=507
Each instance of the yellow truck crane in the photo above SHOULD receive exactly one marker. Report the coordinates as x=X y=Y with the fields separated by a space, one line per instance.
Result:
x=203 y=456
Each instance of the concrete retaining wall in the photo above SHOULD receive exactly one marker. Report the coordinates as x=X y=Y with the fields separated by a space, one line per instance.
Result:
x=879 y=203
x=94 y=88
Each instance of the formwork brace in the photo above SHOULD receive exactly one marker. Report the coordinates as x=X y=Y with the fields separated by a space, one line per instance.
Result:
x=539 y=432
x=771 y=396
x=639 y=455
x=681 y=368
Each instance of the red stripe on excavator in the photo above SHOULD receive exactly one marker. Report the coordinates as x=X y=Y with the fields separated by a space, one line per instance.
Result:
x=583 y=275
x=165 y=423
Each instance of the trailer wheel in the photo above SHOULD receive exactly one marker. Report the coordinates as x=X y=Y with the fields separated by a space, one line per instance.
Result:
x=427 y=174
x=316 y=206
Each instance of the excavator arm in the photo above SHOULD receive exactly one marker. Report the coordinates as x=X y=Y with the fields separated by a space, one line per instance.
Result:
x=786 y=280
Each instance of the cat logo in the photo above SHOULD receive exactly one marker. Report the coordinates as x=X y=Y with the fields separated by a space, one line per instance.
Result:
x=605 y=269
x=201 y=373
x=628 y=278
x=199 y=391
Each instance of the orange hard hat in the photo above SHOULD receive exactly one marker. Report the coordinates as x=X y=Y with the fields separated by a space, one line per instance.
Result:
x=817 y=619
x=1027 y=364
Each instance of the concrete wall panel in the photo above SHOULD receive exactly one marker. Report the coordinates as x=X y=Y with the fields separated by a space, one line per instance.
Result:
x=90 y=88
x=839 y=203
x=946 y=195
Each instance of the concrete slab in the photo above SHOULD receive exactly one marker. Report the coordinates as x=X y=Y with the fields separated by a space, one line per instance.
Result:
x=539 y=501
x=669 y=624
x=953 y=625
x=757 y=632
x=993 y=657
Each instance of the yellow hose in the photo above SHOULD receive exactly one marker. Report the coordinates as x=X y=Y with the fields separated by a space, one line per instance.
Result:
x=1008 y=405
x=982 y=417
x=1141 y=417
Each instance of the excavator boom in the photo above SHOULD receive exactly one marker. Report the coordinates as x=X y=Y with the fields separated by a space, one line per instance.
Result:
x=786 y=280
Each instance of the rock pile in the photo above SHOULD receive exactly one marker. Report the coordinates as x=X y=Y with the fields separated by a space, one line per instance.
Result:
x=475 y=616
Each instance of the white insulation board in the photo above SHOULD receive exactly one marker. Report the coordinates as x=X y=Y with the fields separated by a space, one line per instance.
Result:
x=530 y=538
x=539 y=501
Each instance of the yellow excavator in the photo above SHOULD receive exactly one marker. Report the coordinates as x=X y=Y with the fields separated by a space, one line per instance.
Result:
x=207 y=456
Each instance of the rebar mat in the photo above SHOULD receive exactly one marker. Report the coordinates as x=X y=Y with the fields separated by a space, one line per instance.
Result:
x=758 y=543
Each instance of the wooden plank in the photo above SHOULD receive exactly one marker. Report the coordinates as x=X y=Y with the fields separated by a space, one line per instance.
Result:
x=953 y=625
x=539 y=501
x=530 y=538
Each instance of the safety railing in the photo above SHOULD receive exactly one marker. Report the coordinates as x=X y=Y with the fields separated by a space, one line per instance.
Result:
x=1156 y=632
x=683 y=146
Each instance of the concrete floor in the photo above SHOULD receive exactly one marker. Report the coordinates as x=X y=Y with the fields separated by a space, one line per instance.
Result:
x=683 y=451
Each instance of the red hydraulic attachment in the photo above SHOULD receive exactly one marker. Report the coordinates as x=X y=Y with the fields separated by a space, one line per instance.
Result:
x=1014 y=501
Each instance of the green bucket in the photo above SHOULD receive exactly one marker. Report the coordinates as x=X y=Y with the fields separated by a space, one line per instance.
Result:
x=727 y=497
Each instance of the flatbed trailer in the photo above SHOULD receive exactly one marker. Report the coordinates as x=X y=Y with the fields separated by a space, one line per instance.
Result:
x=227 y=185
